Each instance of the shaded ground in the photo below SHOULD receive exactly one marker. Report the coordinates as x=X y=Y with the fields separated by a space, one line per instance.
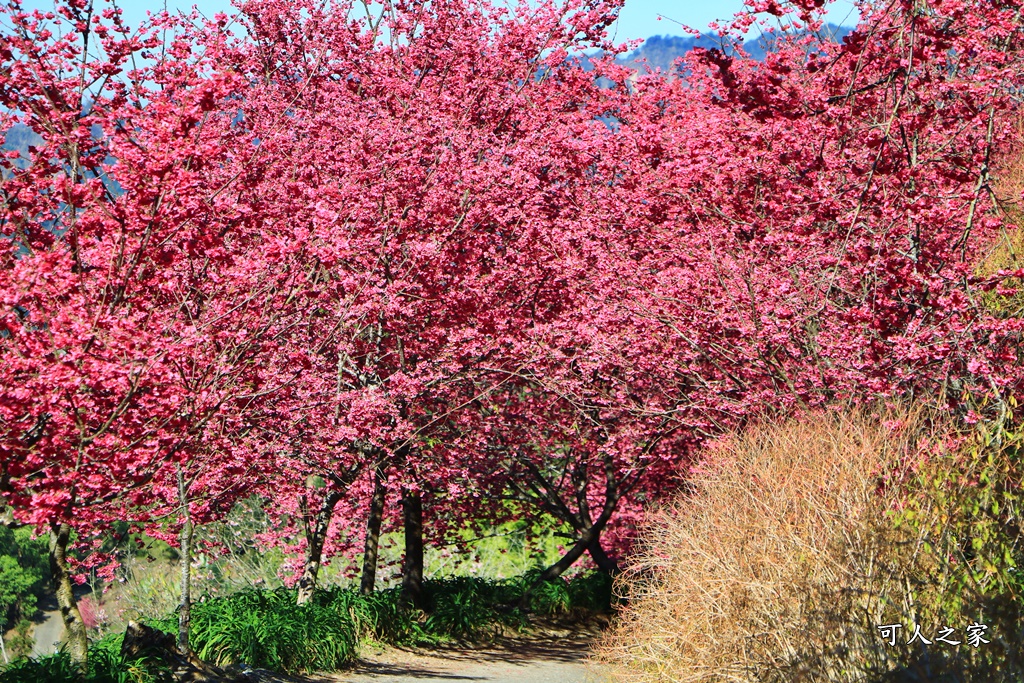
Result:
x=536 y=660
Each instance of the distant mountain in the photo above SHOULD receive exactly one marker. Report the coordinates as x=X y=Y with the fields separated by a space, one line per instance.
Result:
x=661 y=52
x=19 y=137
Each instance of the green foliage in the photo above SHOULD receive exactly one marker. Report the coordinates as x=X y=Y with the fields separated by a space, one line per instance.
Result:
x=148 y=573
x=53 y=669
x=591 y=592
x=502 y=551
x=126 y=543
x=21 y=643
x=549 y=598
x=267 y=630
x=16 y=587
x=470 y=608
x=24 y=571
x=586 y=592
x=967 y=511
x=380 y=616
x=105 y=665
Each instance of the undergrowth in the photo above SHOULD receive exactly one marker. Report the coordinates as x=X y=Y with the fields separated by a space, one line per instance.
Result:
x=265 y=629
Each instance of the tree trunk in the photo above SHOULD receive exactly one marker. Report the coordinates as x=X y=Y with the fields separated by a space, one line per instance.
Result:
x=74 y=627
x=185 y=606
x=581 y=546
x=316 y=534
x=373 y=523
x=601 y=559
x=589 y=532
x=412 y=569
x=589 y=537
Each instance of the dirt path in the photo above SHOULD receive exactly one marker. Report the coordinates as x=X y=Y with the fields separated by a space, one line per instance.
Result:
x=530 y=661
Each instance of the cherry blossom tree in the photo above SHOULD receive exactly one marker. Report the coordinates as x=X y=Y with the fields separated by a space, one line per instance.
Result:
x=112 y=358
x=775 y=235
x=419 y=143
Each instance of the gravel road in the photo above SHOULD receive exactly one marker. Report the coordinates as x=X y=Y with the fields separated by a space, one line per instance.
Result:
x=533 y=661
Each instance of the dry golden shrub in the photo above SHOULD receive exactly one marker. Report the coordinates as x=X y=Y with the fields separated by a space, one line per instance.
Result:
x=781 y=562
x=1006 y=252
x=1008 y=176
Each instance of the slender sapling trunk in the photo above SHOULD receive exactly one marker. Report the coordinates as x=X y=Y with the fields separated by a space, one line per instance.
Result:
x=74 y=627
x=316 y=534
x=373 y=522
x=185 y=606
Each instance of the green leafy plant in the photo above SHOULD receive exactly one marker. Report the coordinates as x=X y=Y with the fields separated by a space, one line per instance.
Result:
x=549 y=598
x=266 y=629
x=966 y=511
x=380 y=616
x=470 y=608
x=54 y=669
x=105 y=665
x=21 y=643
x=591 y=592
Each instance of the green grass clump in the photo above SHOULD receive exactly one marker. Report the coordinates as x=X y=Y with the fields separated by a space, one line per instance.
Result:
x=380 y=616
x=591 y=592
x=105 y=665
x=587 y=592
x=267 y=630
x=470 y=608
x=548 y=598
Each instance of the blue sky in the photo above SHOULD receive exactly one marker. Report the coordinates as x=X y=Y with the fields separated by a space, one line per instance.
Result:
x=638 y=19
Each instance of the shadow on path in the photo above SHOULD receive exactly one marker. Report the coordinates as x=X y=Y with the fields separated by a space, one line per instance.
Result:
x=515 y=650
x=400 y=671
x=534 y=660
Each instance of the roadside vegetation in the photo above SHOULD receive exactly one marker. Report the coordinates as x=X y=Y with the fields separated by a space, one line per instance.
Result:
x=266 y=629
x=486 y=587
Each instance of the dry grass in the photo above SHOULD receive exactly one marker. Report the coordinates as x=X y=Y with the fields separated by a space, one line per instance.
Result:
x=1008 y=178
x=781 y=562
x=1007 y=251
